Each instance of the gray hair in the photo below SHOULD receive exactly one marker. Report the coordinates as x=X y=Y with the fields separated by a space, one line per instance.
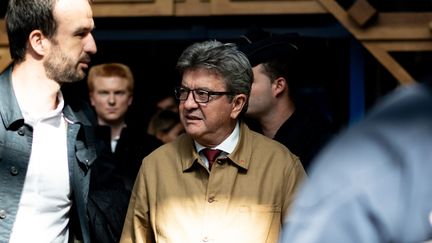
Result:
x=222 y=59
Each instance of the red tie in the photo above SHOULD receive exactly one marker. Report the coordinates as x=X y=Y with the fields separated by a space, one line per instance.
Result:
x=211 y=155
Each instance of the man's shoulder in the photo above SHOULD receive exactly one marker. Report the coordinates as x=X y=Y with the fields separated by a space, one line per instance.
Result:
x=172 y=156
x=262 y=148
x=180 y=147
x=259 y=141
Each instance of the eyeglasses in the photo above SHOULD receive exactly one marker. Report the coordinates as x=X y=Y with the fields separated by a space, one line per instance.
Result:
x=199 y=95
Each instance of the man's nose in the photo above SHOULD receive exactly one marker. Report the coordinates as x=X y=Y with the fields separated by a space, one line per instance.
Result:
x=111 y=99
x=190 y=101
x=90 y=45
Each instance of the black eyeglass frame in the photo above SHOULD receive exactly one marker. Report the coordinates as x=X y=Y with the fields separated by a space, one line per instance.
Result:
x=207 y=92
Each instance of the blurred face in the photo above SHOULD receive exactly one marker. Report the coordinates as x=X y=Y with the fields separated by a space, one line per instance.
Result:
x=262 y=95
x=111 y=99
x=167 y=103
x=73 y=43
x=209 y=123
x=169 y=136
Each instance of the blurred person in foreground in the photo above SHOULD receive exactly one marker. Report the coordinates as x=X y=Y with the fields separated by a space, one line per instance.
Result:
x=243 y=193
x=372 y=184
x=46 y=139
x=274 y=100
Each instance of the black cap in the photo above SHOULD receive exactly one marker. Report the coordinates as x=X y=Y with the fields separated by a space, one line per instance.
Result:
x=261 y=46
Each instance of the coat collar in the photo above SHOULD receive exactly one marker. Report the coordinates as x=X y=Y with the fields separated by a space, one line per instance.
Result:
x=241 y=156
x=74 y=116
x=9 y=108
x=11 y=112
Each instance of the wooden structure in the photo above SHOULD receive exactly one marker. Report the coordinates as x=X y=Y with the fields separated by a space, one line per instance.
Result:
x=4 y=47
x=381 y=33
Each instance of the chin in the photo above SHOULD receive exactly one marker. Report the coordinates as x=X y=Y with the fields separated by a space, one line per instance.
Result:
x=193 y=132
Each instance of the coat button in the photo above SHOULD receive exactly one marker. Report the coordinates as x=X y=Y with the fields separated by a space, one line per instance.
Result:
x=2 y=214
x=14 y=170
x=21 y=131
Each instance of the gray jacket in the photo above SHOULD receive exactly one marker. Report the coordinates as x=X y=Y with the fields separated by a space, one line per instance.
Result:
x=372 y=184
x=15 y=148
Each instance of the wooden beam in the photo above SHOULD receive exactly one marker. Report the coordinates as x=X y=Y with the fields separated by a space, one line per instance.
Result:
x=3 y=33
x=133 y=9
x=5 y=59
x=398 y=26
x=192 y=8
x=230 y=7
x=384 y=57
x=402 y=46
x=400 y=31
x=122 y=1
x=362 y=12
x=389 y=26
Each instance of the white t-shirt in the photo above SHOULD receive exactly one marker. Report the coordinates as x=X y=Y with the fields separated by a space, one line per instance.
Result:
x=43 y=212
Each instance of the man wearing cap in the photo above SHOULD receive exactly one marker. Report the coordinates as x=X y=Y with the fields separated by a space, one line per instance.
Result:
x=302 y=128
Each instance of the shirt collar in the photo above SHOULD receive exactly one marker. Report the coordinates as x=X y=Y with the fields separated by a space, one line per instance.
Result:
x=228 y=145
x=29 y=119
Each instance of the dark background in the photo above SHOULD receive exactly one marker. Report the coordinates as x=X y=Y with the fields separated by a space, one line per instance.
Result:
x=151 y=46
x=335 y=71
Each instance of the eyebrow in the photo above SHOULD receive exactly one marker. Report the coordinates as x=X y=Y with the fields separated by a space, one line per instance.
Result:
x=82 y=29
x=197 y=88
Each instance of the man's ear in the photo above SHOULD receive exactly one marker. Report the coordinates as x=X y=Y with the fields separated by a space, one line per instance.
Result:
x=279 y=86
x=238 y=102
x=38 y=42
x=159 y=135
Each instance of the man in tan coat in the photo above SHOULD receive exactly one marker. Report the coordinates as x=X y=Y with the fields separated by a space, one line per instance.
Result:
x=180 y=195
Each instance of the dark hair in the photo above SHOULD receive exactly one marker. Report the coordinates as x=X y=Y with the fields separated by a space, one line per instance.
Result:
x=278 y=53
x=283 y=67
x=163 y=121
x=24 y=16
x=222 y=59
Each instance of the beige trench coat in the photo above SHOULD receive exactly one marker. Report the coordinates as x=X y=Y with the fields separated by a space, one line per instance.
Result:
x=244 y=198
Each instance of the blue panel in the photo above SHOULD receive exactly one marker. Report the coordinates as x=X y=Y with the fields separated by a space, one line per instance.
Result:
x=357 y=82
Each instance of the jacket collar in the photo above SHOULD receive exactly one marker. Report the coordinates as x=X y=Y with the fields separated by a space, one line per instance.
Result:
x=11 y=112
x=76 y=116
x=9 y=108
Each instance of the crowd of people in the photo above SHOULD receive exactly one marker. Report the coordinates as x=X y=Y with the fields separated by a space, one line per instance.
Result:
x=232 y=155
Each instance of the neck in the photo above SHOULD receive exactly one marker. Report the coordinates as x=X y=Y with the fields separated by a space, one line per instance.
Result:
x=213 y=140
x=275 y=118
x=36 y=93
x=116 y=127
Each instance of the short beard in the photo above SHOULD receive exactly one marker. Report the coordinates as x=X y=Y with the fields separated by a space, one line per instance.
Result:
x=61 y=68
